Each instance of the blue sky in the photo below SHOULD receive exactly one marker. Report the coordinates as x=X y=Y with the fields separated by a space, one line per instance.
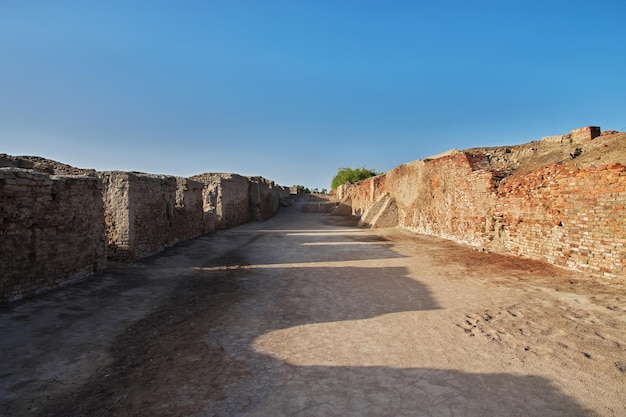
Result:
x=293 y=90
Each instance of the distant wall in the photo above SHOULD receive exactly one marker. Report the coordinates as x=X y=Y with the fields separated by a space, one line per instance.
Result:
x=228 y=196
x=576 y=136
x=51 y=230
x=236 y=199
x=443 y=197
x=264 y=198
x=567 y=216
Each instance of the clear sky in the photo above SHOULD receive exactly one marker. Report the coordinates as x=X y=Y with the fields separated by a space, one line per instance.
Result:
x=293 y=90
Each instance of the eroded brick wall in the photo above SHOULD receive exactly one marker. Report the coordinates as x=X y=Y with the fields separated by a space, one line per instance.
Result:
x=567 y=216
x=444 y=197
x=570 y=217
x=145 y=213
x=51 y=230
x=57 y=229
x=228 y=196
x=264 y=198
x=236 y=199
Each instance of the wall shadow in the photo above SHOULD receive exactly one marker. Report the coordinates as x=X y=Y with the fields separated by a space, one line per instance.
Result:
x=195 y=355
x=196 y=352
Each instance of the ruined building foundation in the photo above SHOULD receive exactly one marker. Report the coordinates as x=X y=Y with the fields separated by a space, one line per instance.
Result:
x=60 y=224
x=560 y=199
x=549 y=200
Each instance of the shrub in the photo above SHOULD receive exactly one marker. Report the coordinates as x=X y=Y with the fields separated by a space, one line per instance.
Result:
x=352 y=175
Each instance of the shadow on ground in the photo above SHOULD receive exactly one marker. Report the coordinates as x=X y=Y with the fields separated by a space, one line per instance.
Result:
x=194 y=353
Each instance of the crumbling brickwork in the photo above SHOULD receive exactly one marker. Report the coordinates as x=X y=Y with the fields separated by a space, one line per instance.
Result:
x=145 y=213
x=236 y=199
x=264 y=198
x=51 y=230
x=443 y=197
x=585 y=134
x=570 y=217
x=567 y=215
x=56 y=229
x=228 y=196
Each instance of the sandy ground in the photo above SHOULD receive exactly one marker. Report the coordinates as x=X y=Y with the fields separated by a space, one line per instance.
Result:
x=306 y=315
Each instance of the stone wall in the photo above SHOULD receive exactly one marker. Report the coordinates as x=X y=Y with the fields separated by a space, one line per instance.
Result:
x=51 y=230
x=566 y=215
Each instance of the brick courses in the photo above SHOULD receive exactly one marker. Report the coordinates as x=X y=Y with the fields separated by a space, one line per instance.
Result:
x=56 y=229
x=51 y=230
x=145 y=213
x=569 y=216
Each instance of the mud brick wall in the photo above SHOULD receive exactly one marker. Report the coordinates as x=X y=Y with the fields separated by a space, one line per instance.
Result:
x=564 y=215
x=189 y=219
x=264 y=198
x=445 y=197
x=236 y=199
x=228 y=196
x=585 y=134
x=454 y=200
x=570 y=217
x=56 y=229
x=145 y=213
x=51 y=230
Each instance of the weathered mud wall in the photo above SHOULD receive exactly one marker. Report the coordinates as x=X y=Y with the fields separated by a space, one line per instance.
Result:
x=51 y=230
x=60 y=228
x=264 y=198
x=228 y=196
x=569 y=216
x=444 y=197
x=145 y=213
x=236 y=199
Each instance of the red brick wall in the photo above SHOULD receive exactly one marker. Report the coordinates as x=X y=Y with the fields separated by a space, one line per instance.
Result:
x=444 y=197
x=567 y=216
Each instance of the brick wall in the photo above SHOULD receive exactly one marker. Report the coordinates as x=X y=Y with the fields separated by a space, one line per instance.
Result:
x=568 y=216
x=585 y=134
x=228 y=196
x=236 y=199
x=51 y=230
x=60 y=228
x=444 y=197
x=145 y=213
x=264 y=198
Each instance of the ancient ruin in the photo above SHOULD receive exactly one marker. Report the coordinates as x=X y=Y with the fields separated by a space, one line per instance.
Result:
x=61 y=224
x=560 y=199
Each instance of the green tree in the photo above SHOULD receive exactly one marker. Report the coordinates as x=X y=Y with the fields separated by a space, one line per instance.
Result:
x=302 y=189
x=352 y=175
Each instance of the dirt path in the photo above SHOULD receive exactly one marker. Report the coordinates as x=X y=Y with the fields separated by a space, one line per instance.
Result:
x=305 y=316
